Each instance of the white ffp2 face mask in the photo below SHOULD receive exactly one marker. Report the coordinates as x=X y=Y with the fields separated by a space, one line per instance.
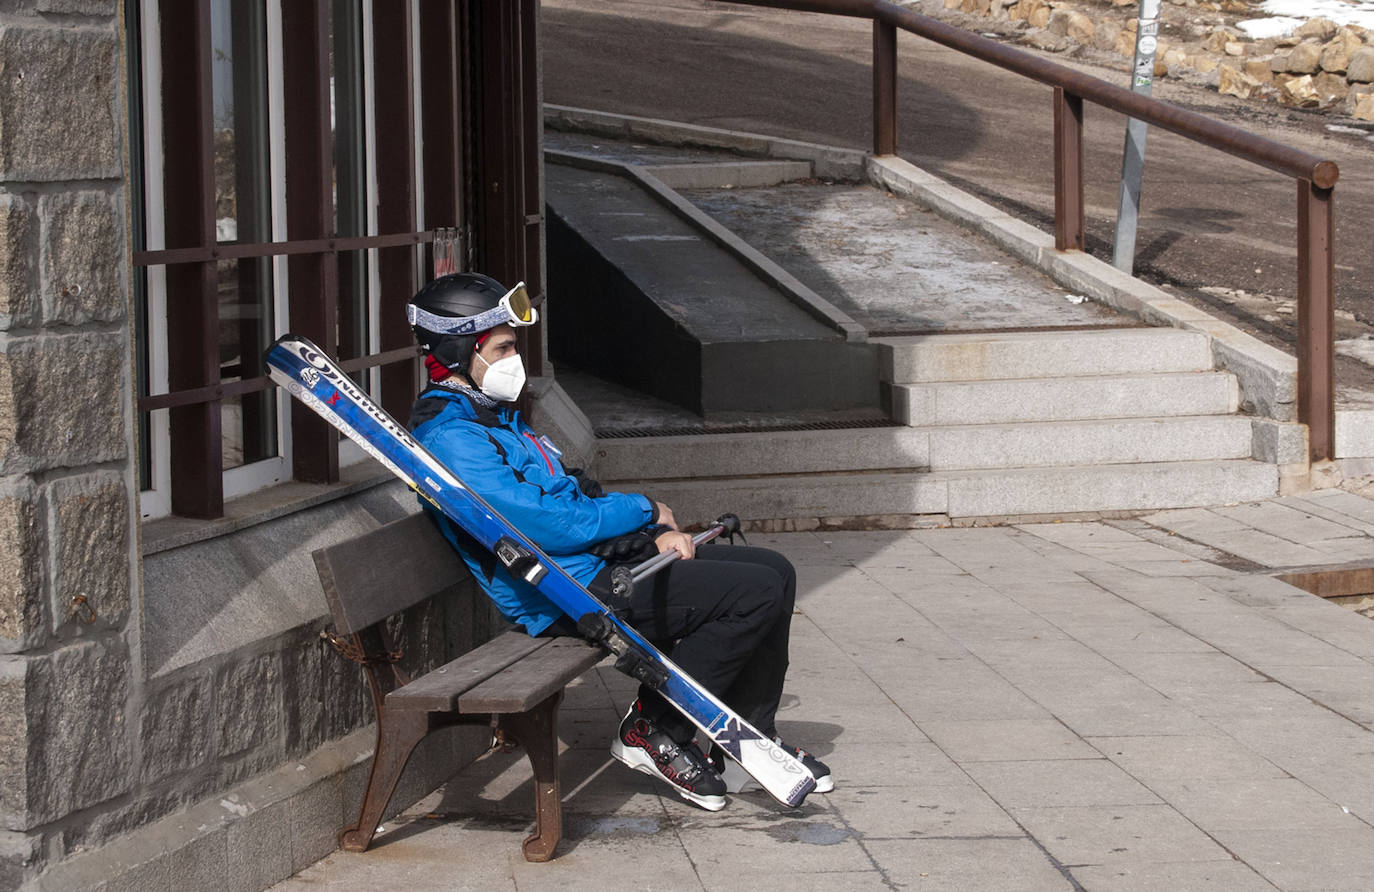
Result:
x=504 y=378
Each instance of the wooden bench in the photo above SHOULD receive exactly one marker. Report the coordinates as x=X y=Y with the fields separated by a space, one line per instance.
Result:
x=513 y=682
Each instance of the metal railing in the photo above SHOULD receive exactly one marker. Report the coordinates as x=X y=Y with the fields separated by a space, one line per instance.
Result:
x=1315 y=177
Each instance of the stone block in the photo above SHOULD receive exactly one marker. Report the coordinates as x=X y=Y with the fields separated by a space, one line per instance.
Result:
x=1361 y=69
x=1298 y=92
x=78 y=745
x=1104 y=38
x=176 y=728
x=46 y=421
x=1330 y=88
x=91 y=517
x=248 y=705
x=20 y=855
x=1233 y=82
x=99 y=826
x=1306 y=58
x=325 y=695
x=1364 y=107
x=1338 y=51
x=1320 y=28
x=78 y=7
x=58 y=116
x=18 y=248
x=256 y=856
x=82 y=258
x=14 y=743
x=21 y=581
x=1261 y=70
x=1279 y=442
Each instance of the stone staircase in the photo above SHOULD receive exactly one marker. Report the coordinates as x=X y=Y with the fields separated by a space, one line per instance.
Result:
x=764 y=300
x=992 y=425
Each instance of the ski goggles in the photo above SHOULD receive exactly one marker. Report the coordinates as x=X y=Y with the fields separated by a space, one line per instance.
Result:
x=514 y=308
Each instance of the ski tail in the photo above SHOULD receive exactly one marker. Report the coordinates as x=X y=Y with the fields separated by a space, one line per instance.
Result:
x=308 y=374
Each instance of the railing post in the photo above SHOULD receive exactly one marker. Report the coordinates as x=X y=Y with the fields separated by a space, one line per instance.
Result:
x=1316 y=319
x=1068 y=171
x=884 y=88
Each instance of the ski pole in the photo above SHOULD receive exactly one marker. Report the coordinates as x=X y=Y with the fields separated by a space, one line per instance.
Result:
x=624 y=578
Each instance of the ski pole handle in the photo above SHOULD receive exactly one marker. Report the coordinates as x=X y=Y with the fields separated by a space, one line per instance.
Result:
x=623 y=579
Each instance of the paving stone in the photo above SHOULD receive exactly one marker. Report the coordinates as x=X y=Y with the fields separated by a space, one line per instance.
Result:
x=1285 y=521
x=797 y=843
x=1059 y=782
x=1228 y=875
x=998 y=741
x=1307 y=859
x=1179 y=758
x=1174 y=672
x=968 y=864
x=1118 y=834
x=861 y=765
x=1254 y=804
x=1140 y=715
x=1345 y=508
x=919 y=811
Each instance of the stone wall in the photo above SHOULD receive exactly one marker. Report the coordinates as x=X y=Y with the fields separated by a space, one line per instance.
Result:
x=68 y=524
x=101 y=733
x=1322 y=66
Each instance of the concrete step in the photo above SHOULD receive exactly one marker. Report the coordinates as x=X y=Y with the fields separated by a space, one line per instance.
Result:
x=762 y=454
x=1065 y=399
x=1003 y=355
x=1090 y=442
x=969 y=494
x=1044 y=444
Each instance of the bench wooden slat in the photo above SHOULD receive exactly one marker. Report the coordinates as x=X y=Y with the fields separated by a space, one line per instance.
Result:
x=438 y=691
x=535 y=677
x=386 y=570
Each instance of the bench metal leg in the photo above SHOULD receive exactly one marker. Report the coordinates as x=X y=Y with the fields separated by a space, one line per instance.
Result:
x=397 y=735
x=538 y=731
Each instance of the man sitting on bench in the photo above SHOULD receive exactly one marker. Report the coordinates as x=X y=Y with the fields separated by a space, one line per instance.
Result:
x=723 y=613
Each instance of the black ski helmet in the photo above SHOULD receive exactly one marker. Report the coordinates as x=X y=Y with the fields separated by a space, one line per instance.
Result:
x=456 y=295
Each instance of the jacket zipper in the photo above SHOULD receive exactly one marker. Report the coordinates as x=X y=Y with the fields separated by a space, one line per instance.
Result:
x=532 y=439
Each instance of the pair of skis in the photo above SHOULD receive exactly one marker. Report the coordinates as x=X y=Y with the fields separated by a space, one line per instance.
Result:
x=312 y=377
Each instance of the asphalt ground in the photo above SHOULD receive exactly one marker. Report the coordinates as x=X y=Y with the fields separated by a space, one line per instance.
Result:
x=1217 y=230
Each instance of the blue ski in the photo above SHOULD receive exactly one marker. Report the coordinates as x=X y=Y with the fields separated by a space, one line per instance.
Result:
x=312 y=377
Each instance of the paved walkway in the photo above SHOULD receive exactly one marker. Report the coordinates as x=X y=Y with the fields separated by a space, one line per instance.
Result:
x=1050 y=706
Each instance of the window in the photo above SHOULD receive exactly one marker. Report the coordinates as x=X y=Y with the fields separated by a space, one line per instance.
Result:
x=258 y=210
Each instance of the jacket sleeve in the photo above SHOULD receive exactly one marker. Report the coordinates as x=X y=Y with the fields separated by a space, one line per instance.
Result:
x=554 y=513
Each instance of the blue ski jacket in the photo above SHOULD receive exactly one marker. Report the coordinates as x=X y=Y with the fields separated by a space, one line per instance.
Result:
x=520 y=474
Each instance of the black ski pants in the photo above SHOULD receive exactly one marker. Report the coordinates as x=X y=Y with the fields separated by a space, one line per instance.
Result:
x=724 y=617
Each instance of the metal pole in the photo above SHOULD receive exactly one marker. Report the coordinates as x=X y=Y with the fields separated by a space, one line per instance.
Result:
x=1133 y=156
x=1069 y=227
x=1316 y=319
x=884 y=88
x=658 y=562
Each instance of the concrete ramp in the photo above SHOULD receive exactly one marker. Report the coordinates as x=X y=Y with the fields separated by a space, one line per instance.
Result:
x=643 y=295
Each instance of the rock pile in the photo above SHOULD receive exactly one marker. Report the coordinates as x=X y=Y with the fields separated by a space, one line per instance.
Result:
x=1321 y=66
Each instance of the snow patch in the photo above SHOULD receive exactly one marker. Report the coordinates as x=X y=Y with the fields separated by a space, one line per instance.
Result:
x=1342 y=12
x=1262 y=29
